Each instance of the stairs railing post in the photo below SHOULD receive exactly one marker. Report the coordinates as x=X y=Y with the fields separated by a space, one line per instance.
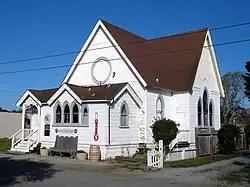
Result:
x=12 y=142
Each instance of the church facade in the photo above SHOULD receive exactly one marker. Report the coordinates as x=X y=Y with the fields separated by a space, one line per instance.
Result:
x=118 y=84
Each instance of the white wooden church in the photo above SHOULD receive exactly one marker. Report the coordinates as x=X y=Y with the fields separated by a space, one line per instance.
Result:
x=124 y=81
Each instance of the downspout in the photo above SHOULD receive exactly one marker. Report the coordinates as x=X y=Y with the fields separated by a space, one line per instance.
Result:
x=145 y=116
x=109 y=129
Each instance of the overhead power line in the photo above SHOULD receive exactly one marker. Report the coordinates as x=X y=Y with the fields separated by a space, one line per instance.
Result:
x=114 y=59
x=129 y=43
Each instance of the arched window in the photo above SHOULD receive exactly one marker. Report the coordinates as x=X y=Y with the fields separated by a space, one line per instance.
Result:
x=66 y=114
x=58 y=114
x=205 y=108
x=124 y=115
x=199 y=112
x=47 y=130
x=85 y=119
x=211 y=114
x=75 y=114
x=159 y=107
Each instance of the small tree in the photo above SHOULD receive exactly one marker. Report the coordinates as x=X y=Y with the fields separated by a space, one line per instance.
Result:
x=226 y=138
x=233 y=84
x=165 y=130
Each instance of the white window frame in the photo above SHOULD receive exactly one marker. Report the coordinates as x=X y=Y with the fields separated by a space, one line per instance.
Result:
x=64 y=105
x=82 y=115
x=72 y=112
x=55 y=113
x=211 y=121
x=160 y=112
x=47 y=129
x=124 y=104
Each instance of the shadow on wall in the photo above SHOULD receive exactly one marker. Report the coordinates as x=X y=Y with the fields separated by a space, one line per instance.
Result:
x=18 y=171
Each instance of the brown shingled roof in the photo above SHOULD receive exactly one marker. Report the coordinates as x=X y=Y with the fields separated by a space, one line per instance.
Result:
x=43 y=95
x=173 y=59
x=103 y=92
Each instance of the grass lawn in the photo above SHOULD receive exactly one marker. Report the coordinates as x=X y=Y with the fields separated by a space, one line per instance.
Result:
x=5 y=144
x=192 y=162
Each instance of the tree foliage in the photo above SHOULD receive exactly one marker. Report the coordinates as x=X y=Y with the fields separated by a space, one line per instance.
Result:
x=164 y=129
x=233 y=84
x=246 y=78
x=226 y=138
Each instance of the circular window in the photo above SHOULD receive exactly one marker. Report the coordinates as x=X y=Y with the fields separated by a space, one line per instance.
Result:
x=101 y=70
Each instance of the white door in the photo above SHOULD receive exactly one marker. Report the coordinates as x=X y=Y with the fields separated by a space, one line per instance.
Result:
x=34 y=122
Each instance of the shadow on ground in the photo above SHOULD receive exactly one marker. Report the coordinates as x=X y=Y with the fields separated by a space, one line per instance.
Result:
x=18 y=171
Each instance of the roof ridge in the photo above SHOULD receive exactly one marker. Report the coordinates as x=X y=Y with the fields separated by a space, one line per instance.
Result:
x=44 y=89
x=96 y=85
x=180 y=34
x=121 y=29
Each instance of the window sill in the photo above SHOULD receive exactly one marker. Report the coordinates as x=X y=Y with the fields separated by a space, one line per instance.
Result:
x=124 y=127
x=206 y=127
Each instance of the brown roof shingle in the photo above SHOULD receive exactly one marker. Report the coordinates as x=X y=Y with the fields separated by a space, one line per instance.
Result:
x=173 y=59
x=103 y=92
x=43 y=95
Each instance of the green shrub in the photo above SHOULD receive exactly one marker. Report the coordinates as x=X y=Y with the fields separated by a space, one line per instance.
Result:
x=226 y=138
x=5 y=144
x=141 y=152
x=166 y=130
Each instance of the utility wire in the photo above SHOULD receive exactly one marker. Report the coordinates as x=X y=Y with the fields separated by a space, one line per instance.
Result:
x=114 y=59
x=130 y=43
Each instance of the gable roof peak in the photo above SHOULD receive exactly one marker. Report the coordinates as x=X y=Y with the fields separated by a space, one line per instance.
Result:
x=111 y=27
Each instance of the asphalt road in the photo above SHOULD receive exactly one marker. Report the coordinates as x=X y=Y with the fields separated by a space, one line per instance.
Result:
x=27 y=171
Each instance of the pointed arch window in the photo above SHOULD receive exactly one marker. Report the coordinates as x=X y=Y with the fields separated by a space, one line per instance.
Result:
x=124 y=115
x=205 y=108
x=66 y=114
x=58 y=114
x=159 y=107
x=75 y=115
x=199 y=110
x=85 y=119
x=211 y=117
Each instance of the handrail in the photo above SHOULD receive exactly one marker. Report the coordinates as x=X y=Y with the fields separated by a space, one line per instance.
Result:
x=15 y=133
x=28 y=137
x=177 y=138
x=32 y=134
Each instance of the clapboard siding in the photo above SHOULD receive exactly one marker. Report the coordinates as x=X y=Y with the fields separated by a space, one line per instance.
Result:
x=205 y=79
x=125 y=135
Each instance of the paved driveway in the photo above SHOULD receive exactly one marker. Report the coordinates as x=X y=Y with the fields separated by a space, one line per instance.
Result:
x=33 y=170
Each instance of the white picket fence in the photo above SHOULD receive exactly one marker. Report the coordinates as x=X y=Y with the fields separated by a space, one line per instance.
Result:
x=155 y=158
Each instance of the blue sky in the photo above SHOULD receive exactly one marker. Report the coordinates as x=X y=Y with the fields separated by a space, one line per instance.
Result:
x=37 y=28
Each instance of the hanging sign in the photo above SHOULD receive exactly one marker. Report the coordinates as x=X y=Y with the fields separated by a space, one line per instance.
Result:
x=66 y=131
x=96 y=137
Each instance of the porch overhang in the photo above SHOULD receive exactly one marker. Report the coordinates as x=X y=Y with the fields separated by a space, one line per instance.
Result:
x=25 y=96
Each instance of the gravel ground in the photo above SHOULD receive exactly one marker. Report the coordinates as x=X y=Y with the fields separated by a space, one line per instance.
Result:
x=33 y=170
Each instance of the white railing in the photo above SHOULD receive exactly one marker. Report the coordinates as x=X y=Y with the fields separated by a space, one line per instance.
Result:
x=16 y=138
x=155 y=158
x=181 y=136
x=24 y=134
x=32 y=138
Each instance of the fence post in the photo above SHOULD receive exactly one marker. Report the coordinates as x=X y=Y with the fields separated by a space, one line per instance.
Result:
x=149 y=159
x=183 y=154
x=161 y=153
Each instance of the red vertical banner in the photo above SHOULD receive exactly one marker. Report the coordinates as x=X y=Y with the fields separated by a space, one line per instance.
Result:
x=96 y=137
